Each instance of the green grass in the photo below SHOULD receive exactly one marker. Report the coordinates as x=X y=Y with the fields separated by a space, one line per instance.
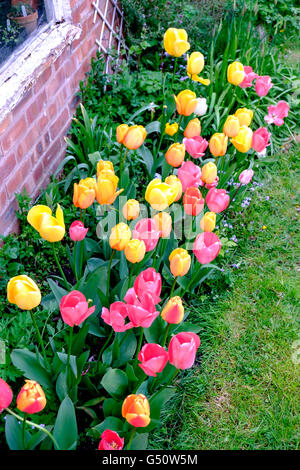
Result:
x=245 y=392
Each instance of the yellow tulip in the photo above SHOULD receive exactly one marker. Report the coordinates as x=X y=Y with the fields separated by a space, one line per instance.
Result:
x=50 y=228
x=195 y=65
x=119 y=237
x=135 y=250
x=133 y=138
x=186 y=102
x=176 y=42
x=171 y=129
x=173 y=180
x=231 y=126
x=106 y=190
x=84 y=193
x=193 y=129
x=243 y=141
x=235 y=73
x=104 y=165
x=23 y=292
x=218 y=144
x=131 y=209
x=121 y=131
x=163 y=223
x=175 y=154
x=244 y=116
x=208 y=222
x=160 y=195
x=209 y=173
x=180 y=262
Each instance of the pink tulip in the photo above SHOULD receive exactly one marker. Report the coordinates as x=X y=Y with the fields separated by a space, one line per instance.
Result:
x=260 y=139
x=153 y=358
x=115 y=317
x=74 y=308
x=110 y=440
x=246 y=176
x=148 y=281
x=263 y=85
x=77 y=231
x=189 y=175
x=217 y=200
x=145 y=230
x=141 y=310
x=195 y=146
x=6 y=395
x=182 y=350
x=277 y=113
x=249 y=77
x=206 y=247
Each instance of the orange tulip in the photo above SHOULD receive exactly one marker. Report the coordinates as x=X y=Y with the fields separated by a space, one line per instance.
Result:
x=136 y=410
x=180 y=262
x=135 y=250
x=31 y=398
x=131 y=209
x=163 y=223
x=218 y=144
x=186 y=102
x=104 y=165
x=132 y=137
x=106 y=189
x=175 y=154
x=121 y=131
x=84 y=193
x=193 y=129
x=173 y=312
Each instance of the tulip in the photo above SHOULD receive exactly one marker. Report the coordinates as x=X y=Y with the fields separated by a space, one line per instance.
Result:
x=121 y=131
x=104 y=165
x=243 y=140
x=153 y=358
x=249 y=77
x=210 y=185
x=193 y=201
x=209 y=173
x=84 y=193
x=277 y=113
x=244 y=116
x=106 y=189
x=131 y=209
x=135 y=250
x=31 y=398
x=77 y=231
x=218 y=144
x=141 y=309
x=195 y=65
x=74 y=308
x=135 y=137
x=160 y=195
x=171 y=129
x=172 y=180
x=163 y=224
x=110 y=440
x=246 y=176
x=201 y=107
x=182 y=350
x=23 y=292
x=176 y=42
x=6 y=395
x=136 y=410
x=173 y=312
x=260 y=139
x=180 y=262
x=119 y=236
x=217 y=200
x=206 y=247
x=186 y=102
x=189 y=175
x=231 y=126
x=145 y=230
x=235 y=73
x=208 y=222
x=195 y=146
x=115 y=316
x=263 y=85
x=50 y=228
x=193 y=129
x=148 y=281
x=175 y=154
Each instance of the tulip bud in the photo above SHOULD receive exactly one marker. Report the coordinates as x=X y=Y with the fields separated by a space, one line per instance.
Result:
x=121 y=132
x=243 y=141
x=106 y=189
x=135 y=250
x=235 y=73
x=193 y=129
x=104 y=165
x=244 y=116
x=50 y=228
x=6 y=395
x=195 y=63
x=173 y=180
x=23 y=292
x=260 y=139
x=31 y=398
x=209 y=173
x=160 y=195
x=206 y=247
x=84 y=193
x=193 y=201
x=246 y=176
x=153 y=358
x=74 y=308
x=186 y=102
x=208 y=222
x=176 y=42
x=173 y=312
x=163 y=224
x=189 y=175
x=131 y=209
x=217 y=200
x=119 y=237
x=231 y=126
x=201 y=107
x=135 y=137
x=171 y=129
x=180 y=262
x=77 y=231
x=175 y=154
x=218 y=144
x=182 y=350
x=136 y=410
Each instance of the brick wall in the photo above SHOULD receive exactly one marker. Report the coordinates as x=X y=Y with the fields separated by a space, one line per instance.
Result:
x=32 y=134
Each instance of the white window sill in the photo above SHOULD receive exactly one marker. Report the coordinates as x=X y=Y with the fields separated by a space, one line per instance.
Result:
x=24 y=68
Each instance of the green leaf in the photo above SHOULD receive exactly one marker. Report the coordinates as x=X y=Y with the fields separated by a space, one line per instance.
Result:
x=146 y=157
x=153 y=126
x=58 y=291
x=112 y=423
x=139 y=442
x=112 y=407
x=32 y=368
x=65 y=428
x=13 y=433
x=94 y=158
x=127 y=347
x=115 y=382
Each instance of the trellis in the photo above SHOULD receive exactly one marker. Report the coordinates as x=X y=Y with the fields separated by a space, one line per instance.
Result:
x=112 y=18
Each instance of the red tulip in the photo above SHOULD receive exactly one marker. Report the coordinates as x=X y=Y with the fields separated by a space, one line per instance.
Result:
x=115 y=316
x=77 y=231
x=148 y=281
x=182 y=350
x=153 y=358
x=277 y=113
x=141 y=309
x=260 y=139
x=263 y=85
x=249 y=77
x=217 y=200
x=6 y=395
x=206 y=247
x=110 y=440
x=189 y=175
x=74 y=308
x=193 y=201
x=195 y=146
x=145 y=230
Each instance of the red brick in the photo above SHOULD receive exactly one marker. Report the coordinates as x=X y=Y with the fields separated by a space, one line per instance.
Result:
x=7 y=166
x=52 y=153
x=42 y=122
x=43 y=79
x=14 y=133
x=3 y=199
x=30 y=139
x=59 y=124
x=22 y=104
x=5 y=123
x=15 y=183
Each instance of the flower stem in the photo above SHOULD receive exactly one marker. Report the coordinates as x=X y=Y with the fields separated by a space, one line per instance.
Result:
x=177 y=133
x=130 y=274
x=166 y=335
x=75 y=260
x=130 y=438
x=24 y=432
x=59 y=266
x=166 y=385
x=108 y=273
x=81 y=257
x=122 y=161
x=174 y=71
x=69 y=354
x=173 y=286
x=139 y=347
x=40 y=340
x=103 y=348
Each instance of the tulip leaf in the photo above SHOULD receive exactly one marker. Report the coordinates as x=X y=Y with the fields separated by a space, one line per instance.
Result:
x=141 y=110
x=65 y=428
x=13 y=433
x=32 y=368
x=115 y=382
x=127 y=347
x=139 y=442
x=61 y=385
x=153 y=126
x=94 y=158
x=111 y=422
x=146 y=158
x=58 y=291
x=112 y=407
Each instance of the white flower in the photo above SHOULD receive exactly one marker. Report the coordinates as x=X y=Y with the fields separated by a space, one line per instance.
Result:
x=201 y=107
